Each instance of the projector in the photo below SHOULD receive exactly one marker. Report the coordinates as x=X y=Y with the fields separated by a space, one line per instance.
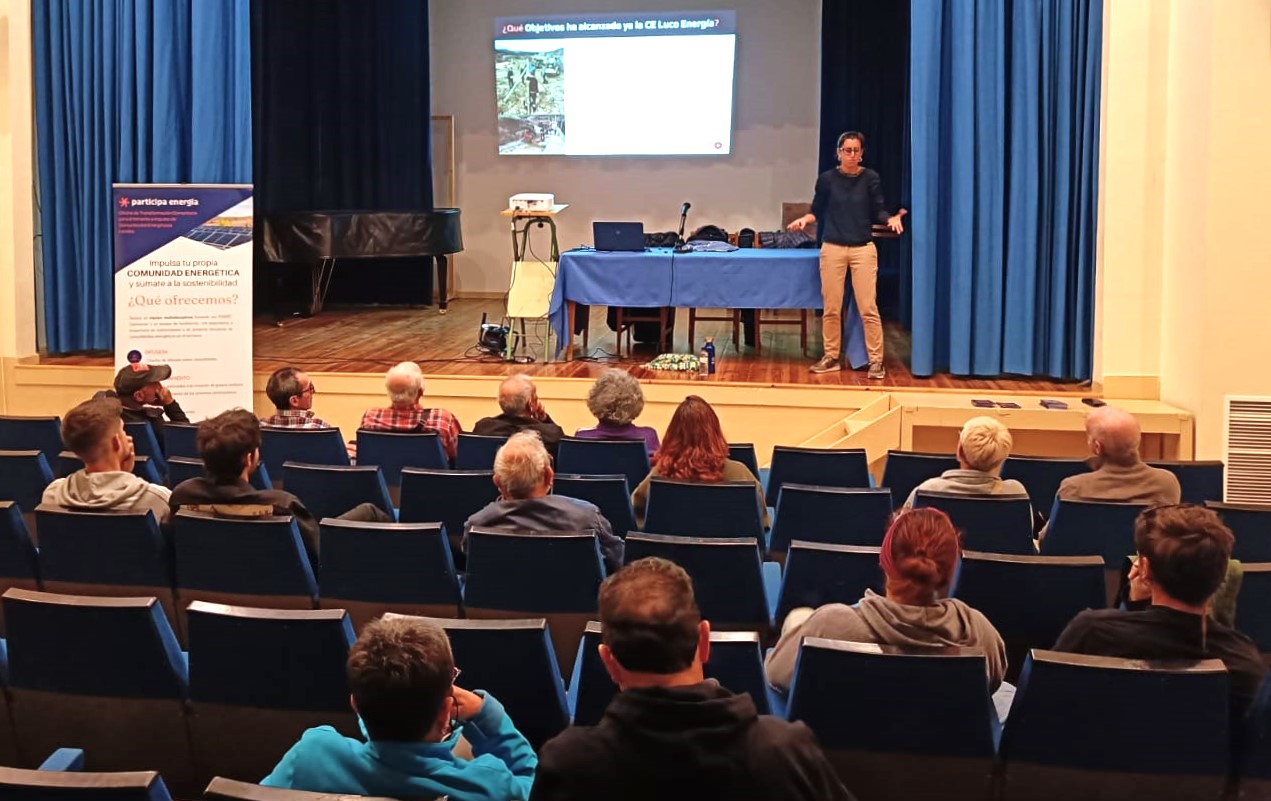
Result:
x=532 y=201
x=491 y=338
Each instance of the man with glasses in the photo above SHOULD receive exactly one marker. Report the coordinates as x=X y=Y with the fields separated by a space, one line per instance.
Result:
x=847 y=202
x=402 y=681
x=291 y=391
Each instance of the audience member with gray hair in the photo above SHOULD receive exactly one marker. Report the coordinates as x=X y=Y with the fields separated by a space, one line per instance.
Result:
x=617 y=400
x=518 y=398
x=523 y=475
x=405 y=385
x=1119 y=474
x=983 y=444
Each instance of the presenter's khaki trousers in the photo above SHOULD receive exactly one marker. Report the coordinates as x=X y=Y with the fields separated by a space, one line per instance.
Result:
x=835 y=261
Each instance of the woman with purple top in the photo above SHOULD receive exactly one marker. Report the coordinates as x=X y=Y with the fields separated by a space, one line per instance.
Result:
x=616 y=399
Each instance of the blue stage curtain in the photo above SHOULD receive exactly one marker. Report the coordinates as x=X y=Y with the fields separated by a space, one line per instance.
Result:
x=127 y=91
x=1004 y=101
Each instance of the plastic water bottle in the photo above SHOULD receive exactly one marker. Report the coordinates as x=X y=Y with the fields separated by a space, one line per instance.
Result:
x=709 y=349
x=703 y=363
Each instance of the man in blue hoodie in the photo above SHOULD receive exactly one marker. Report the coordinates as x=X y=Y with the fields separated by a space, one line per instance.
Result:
x=402 y=677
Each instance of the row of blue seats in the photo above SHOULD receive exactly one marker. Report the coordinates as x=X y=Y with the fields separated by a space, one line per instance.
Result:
x=895 y=723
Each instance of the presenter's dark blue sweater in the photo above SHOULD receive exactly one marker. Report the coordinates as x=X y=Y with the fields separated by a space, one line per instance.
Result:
x=847 y=206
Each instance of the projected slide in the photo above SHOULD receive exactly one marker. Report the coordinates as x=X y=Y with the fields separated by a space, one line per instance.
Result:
x=618 y=84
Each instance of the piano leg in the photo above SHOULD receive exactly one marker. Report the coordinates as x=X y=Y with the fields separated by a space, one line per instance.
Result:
x=319 y=284
x=443 y=270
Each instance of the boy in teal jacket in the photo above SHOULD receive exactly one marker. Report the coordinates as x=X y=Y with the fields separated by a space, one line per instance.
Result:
x=401 y=674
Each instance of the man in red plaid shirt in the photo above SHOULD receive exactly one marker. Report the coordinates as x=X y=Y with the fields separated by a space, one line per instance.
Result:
x=405 y=385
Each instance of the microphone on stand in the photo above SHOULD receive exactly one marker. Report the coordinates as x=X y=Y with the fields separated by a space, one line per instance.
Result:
x=679 y=237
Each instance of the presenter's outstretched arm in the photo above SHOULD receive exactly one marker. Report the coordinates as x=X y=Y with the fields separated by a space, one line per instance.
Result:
x=802 y=222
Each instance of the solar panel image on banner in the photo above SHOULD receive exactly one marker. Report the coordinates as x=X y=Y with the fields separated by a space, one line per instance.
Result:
x=221 y=236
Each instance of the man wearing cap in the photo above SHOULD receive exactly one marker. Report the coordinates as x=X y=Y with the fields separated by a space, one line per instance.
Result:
x=144 y=398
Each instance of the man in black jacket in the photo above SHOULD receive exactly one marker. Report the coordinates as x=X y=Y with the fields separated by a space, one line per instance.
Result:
x=518 y=398
x=672 y=734
x=140 y=390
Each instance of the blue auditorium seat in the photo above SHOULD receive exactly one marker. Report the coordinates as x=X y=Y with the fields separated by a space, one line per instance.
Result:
x=222 y=789
x=373 y=568
x=610 y=494
x=1041 y=476
x=19 y=563
x=735 y=588
x=1092 y=528
x=146 y=443
x=180 y=439
x=897 y=723
x=448 y=497
x=736 y=661
x=1097 y=727
x=989 y=523
x=32 y=434
x=819 y=573
x=143 y=467
x=183 y=468
x=476 y=451
x=1251 y=525
x=1029 y=599
x=516 y=662
x=307 y=445
x=393 y=450
x=820 y=467
x=23 y=477
x=829 y=514
x=242 y=562
x=331 y=490
x=905 y=470
x=47 y=784
x=102 y=674
x=259 y=678
x=1255 y=767
x=9 y=754
x=1253 y=606
x=696 y=509
x=604 y=457
x=1199 y=481
x=117 y=554
x=549 y=574
x=744 y=452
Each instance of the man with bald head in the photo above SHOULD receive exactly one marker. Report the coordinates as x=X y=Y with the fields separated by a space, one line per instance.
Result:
x=518 y=398
x=1119 y=473
x=405 y=385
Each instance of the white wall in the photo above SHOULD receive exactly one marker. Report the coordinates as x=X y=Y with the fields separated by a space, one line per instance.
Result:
x=774 y=158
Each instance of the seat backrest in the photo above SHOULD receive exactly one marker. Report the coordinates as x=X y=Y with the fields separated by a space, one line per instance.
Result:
x=1096 y=713
x=183 y=468
x=106 y=647
x=476 y=451
x=330 y=490
x=1251 y=525
x=816 y=466
x=17 y=552
x=1199 y=481
x=610 y=494
x=744 y=452
x=180 y=439
x=288 y=659
x=308 y=445
x=222 y=789
x=516 y=662
x=1257 y=740
x=830 y=514
x=42 y=434
x=112 y=548
x=989 y=523
x=253 y=556
x=17 y=784
x=539 y=572
x=726 y=572
x=818 y=573
x=1253 y=606
x=905 y=470
x=146 y=443
x=1092 y=528
x=1042 y=475
x=695 y=509
x=1029 y=599
x=23 y=477
x=862 y=696
x=597 y=457
x=446 y=496
x=393 y=450
x=406 y=563
x=143 y=467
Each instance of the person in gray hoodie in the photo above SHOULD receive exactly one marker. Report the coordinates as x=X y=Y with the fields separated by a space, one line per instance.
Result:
x=94 y=430
x=918 y=558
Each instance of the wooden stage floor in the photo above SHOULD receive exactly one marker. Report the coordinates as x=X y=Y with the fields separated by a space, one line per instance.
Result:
x=370 y=340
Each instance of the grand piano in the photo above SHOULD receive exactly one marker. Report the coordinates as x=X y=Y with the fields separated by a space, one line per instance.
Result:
x=320 y=238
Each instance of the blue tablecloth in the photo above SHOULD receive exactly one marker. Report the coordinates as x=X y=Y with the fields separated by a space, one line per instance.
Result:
x=748 y=278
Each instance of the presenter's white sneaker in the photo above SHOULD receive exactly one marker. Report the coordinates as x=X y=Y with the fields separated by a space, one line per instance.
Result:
x=876 y=371
x=826 y=365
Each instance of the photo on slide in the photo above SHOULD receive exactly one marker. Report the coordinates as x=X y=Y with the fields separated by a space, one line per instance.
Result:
x=530 y=88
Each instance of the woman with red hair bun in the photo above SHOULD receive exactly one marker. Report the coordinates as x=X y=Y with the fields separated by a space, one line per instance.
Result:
x=694 y=449
x=918 y=557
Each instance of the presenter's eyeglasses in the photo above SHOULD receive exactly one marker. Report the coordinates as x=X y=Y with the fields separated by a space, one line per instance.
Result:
x=850 y=150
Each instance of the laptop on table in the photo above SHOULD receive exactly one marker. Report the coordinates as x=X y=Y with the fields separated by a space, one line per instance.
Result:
x=618 y=236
